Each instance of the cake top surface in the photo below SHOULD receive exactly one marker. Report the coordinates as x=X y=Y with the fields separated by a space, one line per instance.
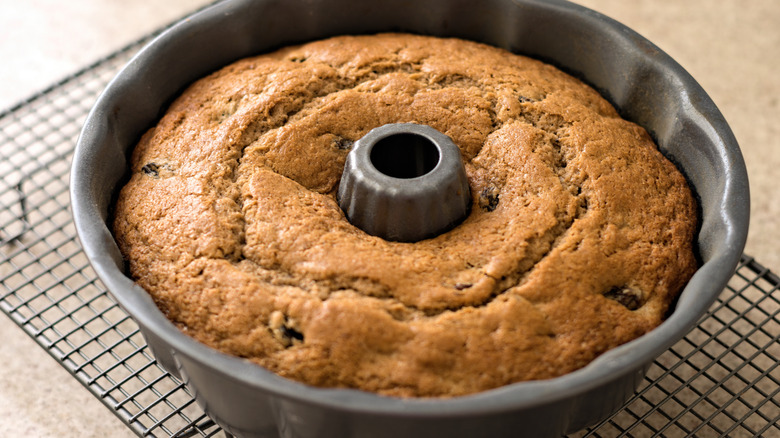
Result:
x=579 y=237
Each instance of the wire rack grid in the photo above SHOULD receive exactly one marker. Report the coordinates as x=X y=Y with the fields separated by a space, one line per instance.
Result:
x=720 y=380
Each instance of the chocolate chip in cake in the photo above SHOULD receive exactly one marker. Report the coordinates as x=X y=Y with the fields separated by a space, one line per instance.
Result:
x=631 y=298
x=461 y=286
x=488 y=198
x=524 y=99
x=284 y=329
x=343 y=144
x=151 y=169
x=291 y=333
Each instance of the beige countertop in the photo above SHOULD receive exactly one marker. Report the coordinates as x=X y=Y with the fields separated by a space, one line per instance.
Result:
x=729 y=46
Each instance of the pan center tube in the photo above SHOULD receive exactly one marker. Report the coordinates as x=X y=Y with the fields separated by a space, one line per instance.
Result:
x=404 y=182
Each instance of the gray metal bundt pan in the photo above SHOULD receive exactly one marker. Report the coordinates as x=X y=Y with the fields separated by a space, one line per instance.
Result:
x=644 y=83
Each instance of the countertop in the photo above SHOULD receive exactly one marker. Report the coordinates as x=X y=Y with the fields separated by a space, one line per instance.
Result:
x=729 y=46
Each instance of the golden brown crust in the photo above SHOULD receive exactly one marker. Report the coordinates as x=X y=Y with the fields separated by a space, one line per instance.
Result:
x=580 y=236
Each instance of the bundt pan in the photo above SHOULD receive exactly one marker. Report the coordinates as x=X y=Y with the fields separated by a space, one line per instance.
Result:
x=646 y=85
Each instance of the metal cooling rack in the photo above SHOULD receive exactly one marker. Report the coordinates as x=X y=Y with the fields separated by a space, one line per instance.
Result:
x=720 y=380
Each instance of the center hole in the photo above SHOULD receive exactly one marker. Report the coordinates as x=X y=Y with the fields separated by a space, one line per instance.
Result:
x=404 y=155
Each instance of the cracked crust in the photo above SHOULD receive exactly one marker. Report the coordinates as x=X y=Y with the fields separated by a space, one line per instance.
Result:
x=229 y=220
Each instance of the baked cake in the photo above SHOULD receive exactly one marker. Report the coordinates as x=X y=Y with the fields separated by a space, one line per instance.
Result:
x=579 y=238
